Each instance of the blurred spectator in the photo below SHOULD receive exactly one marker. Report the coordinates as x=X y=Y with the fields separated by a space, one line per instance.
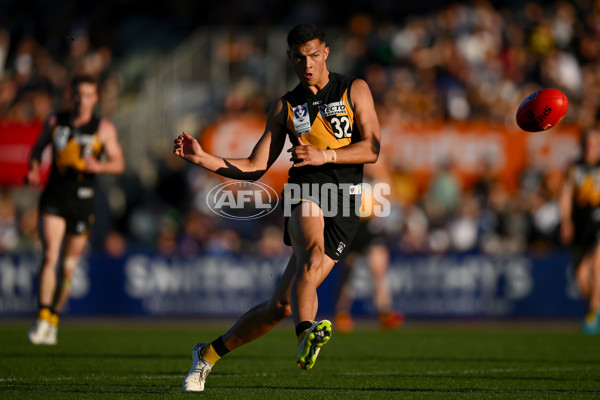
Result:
x=9 y=229
x=443 y=195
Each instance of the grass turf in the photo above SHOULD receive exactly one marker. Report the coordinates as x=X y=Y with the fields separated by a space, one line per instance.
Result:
x=442 y=360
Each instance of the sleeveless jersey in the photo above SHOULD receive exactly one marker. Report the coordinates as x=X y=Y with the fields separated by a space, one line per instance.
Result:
x=586 y=194
x=324 y=120
x=70 y=146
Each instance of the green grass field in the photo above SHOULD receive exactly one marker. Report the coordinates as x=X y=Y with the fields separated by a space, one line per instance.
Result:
x=437 y=360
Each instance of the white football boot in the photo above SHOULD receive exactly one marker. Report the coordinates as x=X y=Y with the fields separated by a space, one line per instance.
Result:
x=51 y=338
x=195 y=378
x=38 y=333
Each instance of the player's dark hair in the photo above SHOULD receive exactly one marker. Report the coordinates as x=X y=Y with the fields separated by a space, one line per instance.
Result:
x=79 y=79
x=304 y=33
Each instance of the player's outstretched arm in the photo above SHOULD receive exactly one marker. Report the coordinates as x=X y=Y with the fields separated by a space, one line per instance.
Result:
x=254 y=166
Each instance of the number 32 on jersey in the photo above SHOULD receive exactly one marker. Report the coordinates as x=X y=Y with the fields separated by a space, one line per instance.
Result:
x=340 y=127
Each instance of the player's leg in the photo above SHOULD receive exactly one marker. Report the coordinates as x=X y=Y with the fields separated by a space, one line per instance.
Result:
x=74 y=247
x=263 y=317
x=252 y=324
x=345 y=295
x=592 y=320
x=378 y=258
x=595 y=279
x=582 y=275
x=52 y=230
x=52 y=233
x=305 y=228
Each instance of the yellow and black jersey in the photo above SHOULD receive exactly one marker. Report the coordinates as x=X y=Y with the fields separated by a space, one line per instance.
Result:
x=325 y=120
x=586 y=183
x=70 y=146
x=585 y=211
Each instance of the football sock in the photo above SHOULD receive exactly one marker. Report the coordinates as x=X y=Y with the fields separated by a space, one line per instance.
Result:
x=302 y=328
x=214 y=351
x=54 y=319
x=45 y=313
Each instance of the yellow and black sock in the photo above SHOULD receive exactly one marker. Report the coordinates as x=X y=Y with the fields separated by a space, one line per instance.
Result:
x=54 y=319
x=214 y=351
x=301 y=329
x=45 y=313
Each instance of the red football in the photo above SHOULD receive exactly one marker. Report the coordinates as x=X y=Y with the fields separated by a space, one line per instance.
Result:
x=542 y=110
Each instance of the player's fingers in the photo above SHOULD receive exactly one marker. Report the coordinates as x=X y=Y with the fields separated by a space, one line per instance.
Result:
x=300 y=164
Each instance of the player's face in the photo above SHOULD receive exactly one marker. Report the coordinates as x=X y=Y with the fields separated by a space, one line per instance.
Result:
x=85 y=97
x=309 y=63
x=592 y=147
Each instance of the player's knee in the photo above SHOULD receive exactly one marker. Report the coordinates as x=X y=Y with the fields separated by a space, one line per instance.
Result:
x=315 y=258
x=50 y=258
x=69 y=266
x=310 y=265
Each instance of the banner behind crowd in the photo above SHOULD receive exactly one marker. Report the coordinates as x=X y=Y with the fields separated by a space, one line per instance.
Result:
x=423 y=149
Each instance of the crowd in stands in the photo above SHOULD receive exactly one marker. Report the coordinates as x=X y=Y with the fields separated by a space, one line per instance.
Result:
x=461 y=61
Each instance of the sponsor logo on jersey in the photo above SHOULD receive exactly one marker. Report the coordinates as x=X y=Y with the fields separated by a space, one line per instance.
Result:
x=84 y=139
x=340 y=248
x=355 y=189
x=61 y=137
x=301 y=119
x=328 y=110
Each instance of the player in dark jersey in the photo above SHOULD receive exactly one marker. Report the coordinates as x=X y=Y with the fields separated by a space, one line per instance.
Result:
x=78 y=137
x=332 y=123
x=580 y=224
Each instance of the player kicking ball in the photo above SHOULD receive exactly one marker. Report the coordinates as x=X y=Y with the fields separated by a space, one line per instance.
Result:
x=331 y=120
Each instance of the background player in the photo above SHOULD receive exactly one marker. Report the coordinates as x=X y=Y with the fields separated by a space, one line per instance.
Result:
x=331 y=120
x=580 y=224
x=78 y=137
x=369 y=241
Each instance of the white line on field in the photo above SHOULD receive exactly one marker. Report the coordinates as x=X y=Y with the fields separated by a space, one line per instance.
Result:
x=377 y=373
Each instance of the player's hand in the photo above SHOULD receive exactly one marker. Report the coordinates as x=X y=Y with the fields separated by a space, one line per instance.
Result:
x=567 y=231
x=92 y=165
x=33 y=177
x=305 y=154
x=188 y=148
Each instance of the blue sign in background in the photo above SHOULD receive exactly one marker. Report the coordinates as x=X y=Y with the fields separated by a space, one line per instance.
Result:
x=422 y=286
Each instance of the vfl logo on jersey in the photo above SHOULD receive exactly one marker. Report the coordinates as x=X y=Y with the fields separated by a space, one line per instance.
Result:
x=61 y=137
x=301 y=119
x=355 y=189
x=340 y=248
x=328 y=110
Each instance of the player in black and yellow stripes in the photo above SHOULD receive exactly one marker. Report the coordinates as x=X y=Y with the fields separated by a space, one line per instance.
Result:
x=78 y=137
x=333 y=126
x=580 y=224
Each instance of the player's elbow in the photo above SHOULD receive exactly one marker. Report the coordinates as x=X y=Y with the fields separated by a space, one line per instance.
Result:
x=120 y=167
x=373 y=157
x=373 y=152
